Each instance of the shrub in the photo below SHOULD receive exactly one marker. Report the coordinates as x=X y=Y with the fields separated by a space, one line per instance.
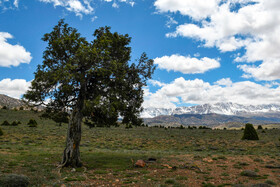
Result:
x=260 y=127
x=15 y=123
x=14 y=180
x=5 y=123
x=5 y=107
x=250 y=133
x=128 y=126
x=32 y=123
x=270 y=182
x=170 y=181
x=1 y=132
x=208 y=185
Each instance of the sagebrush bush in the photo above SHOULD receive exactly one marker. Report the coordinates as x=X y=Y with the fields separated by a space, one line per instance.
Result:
x=5 y=123
x=32 y=123
x=128 y=126
x=250 y=133
x=15 y=123
x=5 y=107
x=1 y=132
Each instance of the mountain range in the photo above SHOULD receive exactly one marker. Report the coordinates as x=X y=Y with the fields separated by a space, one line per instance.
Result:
x=213 y=115
x=218 y=108
x=10 y=102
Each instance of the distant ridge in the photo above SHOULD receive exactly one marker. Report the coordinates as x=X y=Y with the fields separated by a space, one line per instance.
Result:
x=217 y=108
x=210 y=120
x=10 y=102
x=213 y=115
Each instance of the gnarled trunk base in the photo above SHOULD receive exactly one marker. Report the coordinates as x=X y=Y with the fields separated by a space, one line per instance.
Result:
x=71 y=154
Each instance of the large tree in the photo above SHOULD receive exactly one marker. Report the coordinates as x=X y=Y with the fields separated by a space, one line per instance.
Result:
x=92 y=81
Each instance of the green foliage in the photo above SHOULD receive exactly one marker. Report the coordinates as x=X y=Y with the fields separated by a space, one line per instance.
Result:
x=1 y=132
x=208 y=185
x=15 y=123
x=270 y=182
x=5 y=108
x=32 y=123
x=128 y=126
x=56 y=115
x=260 y=127
x=5 y=123
x=94 y=77
x=250 y=133
x=203 y=127
x=170 y=181
x=11 y=180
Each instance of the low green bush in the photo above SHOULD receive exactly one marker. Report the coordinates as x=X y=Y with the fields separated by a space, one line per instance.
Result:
x=1 y=132
x=5 y=107
x=250 y=133
x=15 y=123
x=32 y=123
x=5 y=123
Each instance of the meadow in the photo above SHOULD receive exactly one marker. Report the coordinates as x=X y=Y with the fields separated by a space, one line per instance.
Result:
x=184 y=157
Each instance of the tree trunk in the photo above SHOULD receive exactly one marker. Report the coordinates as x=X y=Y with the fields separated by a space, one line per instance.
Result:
x=71 y=154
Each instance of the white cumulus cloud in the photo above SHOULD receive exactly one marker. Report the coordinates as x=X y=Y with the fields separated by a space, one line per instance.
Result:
x=12 y=55
x=197 y=9
x=77 y=6
x=198 y=91
x=14 y=88
x=233 y=24
x=84 y=7
x=186 y=64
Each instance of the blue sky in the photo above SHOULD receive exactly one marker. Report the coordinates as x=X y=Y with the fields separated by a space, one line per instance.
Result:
x=205 y=51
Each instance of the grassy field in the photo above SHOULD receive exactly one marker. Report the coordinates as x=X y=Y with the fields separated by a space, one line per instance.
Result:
x=185 y=157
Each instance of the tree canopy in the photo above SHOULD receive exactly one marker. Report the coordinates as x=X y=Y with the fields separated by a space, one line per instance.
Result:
x=95 y=80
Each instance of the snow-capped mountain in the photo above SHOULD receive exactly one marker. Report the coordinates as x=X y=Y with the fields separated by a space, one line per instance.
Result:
x=218 y=108
x=153 y=112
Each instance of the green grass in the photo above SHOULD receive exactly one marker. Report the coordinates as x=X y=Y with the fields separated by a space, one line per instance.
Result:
x=36 y=152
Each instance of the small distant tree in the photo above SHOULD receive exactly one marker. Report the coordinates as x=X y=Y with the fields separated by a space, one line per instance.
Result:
x=32 y=123
x=5 y=123
x=93 y=80
x=1 y=132
x=5 y=107
x=129 y=126
x=56 y=115
x=260 y=127
x=14 y=123
x=250 y=133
